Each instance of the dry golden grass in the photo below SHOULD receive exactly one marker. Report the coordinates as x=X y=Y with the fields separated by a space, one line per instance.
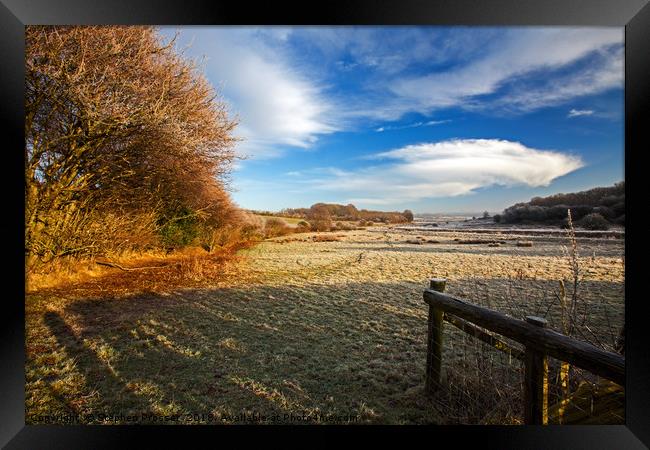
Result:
x=305 y=332
x=155 y=271
x=326 y=238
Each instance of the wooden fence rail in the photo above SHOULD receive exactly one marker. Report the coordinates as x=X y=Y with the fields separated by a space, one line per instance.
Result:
x=539 y=341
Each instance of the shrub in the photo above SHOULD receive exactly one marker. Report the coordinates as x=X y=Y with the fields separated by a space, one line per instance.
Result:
x=619 y=208
x=344 y=226
x=524 y=213
x=179 y=230
x=580 y=211
x=276 y=227
x=303 y=226
x=497 y=218
x=250 y=232
x=321 y=225
x=606 y=212
x=611 y=200
x=594 y=221
x=228 y=237
x=177 y=234
x=213 y=238
x=558 y=212
x=93 y=232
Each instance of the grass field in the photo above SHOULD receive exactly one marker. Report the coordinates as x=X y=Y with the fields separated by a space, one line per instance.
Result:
x=291 y=221
x=298 y=332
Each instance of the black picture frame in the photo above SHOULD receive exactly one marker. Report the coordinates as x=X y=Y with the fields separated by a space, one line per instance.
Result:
x=634 y=15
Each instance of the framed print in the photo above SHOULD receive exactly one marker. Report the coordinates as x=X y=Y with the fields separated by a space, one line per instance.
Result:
x=360 y=216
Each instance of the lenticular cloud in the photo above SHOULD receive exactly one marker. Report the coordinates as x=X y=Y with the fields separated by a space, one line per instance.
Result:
x=456 y=167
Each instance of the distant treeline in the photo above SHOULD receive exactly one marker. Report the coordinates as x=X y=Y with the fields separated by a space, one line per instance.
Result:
x=333 y=211
x=596 y=208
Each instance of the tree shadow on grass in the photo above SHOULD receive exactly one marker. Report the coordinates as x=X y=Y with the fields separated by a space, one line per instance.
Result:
x=97 y=374
x=310 y=350
x=304 y=350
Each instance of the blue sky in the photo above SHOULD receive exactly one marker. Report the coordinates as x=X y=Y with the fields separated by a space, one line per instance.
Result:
x=433 y=119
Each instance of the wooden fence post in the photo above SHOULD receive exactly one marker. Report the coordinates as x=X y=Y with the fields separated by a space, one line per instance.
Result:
x=536 y=381
x=434 y=340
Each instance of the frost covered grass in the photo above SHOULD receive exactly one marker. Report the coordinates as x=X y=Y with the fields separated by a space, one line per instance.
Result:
x=301 y=331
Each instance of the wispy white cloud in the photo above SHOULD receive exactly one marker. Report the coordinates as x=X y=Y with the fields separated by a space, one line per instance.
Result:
x=381 y=50
x=309 y=174
x=283 y=82
x=523 y=52
x=580 y=112
x=277 y=104
x=604 y=72
x=450 y=168
x=411 y=125
x=503 y=70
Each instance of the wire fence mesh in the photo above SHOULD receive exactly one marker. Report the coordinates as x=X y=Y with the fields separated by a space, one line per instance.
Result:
x=484 y=385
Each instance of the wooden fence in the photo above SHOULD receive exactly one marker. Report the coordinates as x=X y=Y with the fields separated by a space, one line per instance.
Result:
x=539 y=341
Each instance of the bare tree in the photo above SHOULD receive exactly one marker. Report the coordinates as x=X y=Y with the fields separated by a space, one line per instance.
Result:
x=116 y=121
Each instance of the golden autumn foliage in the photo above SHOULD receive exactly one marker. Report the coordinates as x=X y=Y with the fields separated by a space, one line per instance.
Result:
x=127 y=144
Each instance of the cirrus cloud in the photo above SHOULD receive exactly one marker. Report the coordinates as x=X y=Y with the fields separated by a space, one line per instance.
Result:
x=580 y=112
x=520 y=56
x=291 y=86
x=279 y=106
